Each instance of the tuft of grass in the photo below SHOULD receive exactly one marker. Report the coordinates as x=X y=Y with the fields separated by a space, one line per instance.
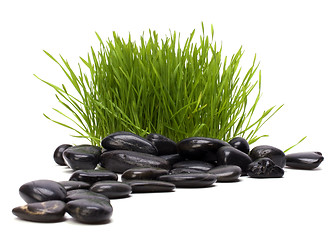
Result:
x=158 y=85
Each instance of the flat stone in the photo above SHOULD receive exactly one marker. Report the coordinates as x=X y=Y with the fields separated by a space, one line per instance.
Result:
x=92 y=176
x=190 y=180
x=72 y=185
x=128 y=141
x=164 y=145
x=82 y=156
x=112 y=189
x=58 y=154
x=194 y=164
x=226 y=173
x=41 y=191
x=264 y=168
x=150 y=186
x=84 y=194
x=91 y=211
x=185 y=170
x=49 y=211
x=228 y=155
x=304 y=160
x=143 y=174
x=121 y=160
x=240 y=143
x=266 y=151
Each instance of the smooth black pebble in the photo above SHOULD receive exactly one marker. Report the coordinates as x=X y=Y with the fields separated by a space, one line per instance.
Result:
x=84 y=194
x=240 y=143
x=82 y=156
x=128 y=141
x=112 y=189
x=58 y=154
x=41 y=191
x=91 y=211
x=194 y=164
x=190 y=180
x=150 y=186
x=72 y=185
x=228 y=155
x=49 y=211
x=172 y=158
x=164 y=145
x=143 y=174
x=92 y=176
x=266 y=151
x=226 y=173
x=264 y=168
x=304 y=160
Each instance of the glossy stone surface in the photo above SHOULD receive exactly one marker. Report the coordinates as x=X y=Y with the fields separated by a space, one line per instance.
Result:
x=84 y=194
x=72 y=185
x=128 y=141
x=264 y=168
x=41 y=191
x=266 y=151
x=58 y=154
x=121 y=160
x=150 y=186
x=143 y=174
x=185 y=170
x=91 y=211
x=49 y=211
x=190 y=180
x=194 y=164
x=172 y=158
x=92 y=176
x=197 y=148
x=164 y=145
x=240 y=143
x=304 y=160
x=226 y=173
x=228 y=155
x=112 y=189
x=82 y=156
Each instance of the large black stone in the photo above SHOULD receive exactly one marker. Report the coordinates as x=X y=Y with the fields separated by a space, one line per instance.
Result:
x=190 y=180
x=143 y=174
x=150 y=186
x=164 y=145
x=264 y=168
x=58 y=154
x=228 y=155
x=82 y=156
x=240 y=144
x=266 y=151
x=226 y=173
x=304 y=160
x=41 y=191
x=92 y=176
x=112 y=189
x=49 y=211
x=128 y=141
x=194 y=164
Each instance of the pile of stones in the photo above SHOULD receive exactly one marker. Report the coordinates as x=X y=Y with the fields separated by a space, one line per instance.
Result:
x=151 y=164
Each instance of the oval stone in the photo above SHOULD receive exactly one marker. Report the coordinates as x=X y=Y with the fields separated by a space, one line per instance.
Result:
x=226 y=173
x=58 y=154
x=264 y=168
x=150 y=186
x=266 y=151
x=128 y=141
x=190 y=180
x=90 y=211
x=164 y=145
x=143 y=174
x=228 y=155
x=82 y=156
x=112 y=189
x=49 y=211
x=41 y=191
x=194 y=164
x=92 y=176
x=240 y=143
x=72 y=185
x=84 y=194
x=199 y=147
x=304 y=160
x=121 y=160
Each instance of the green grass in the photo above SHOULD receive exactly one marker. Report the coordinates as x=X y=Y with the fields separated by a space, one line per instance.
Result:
x=158 y=85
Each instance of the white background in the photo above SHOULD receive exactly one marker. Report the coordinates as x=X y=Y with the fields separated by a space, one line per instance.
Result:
x=293 y=41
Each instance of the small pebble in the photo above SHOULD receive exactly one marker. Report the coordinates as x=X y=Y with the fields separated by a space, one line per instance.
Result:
x=143 y=174
x=240 y=144
x=264 y=168
x=304 y=160
x=92 y=176
x=164 y=145
x=172 y=158
x=150 y=186
x=58 y=154
x=82 y=156
x=112 y=189
x=266 y=151
x=228 y=155
x=194 y=164
x=84 y=194
x=72 y=185
x=226 y=173
x=190 y=180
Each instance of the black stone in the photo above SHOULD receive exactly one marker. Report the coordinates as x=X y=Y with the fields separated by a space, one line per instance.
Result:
x=49 y=211
x=41 y=191
x=128 y=141
x=84 y=194
x=194 y=164
x=91 y=211
x=150 y=186
x=240 y=143
x=226 y=173
x=121 y=160
x=82 y=156
x=143 y=174
x=112 y=189
x=228 y=155
x=198 y=148
x=266 y=151
x=172 y=158
x=190 y=180
x=164 y=145
x=264 y=168
x=304 y=160
x=185 y=170
x=72 y=185
x=92 y=176
x=58 y=154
